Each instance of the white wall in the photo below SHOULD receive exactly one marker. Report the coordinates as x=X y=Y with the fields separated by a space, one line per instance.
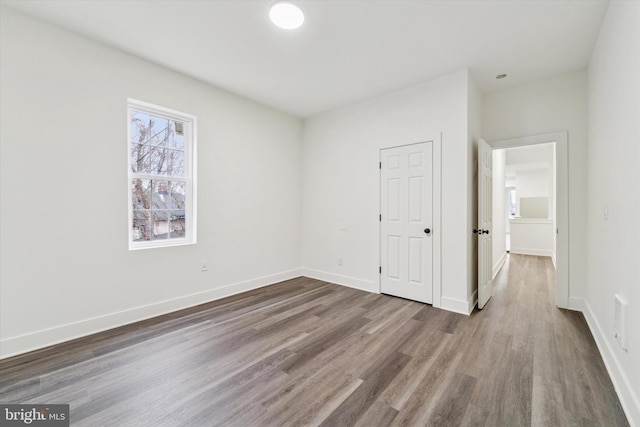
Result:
x=64 y=176
x=341 y=182
x=533 y=183
x=531 y=236
x=614 y=179
x=499 y=216
x=551 y=105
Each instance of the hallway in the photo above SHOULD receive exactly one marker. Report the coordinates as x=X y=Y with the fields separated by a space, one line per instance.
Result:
x=539 y=349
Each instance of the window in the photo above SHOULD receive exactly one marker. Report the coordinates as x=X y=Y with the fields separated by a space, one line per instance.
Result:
x=162 y=191
x=511 y=202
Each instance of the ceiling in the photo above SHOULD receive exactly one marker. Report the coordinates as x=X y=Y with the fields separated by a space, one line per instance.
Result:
x=347 y=50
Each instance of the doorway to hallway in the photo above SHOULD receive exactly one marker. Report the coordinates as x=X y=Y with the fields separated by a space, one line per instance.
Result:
x=558 y=201
x=524 y=200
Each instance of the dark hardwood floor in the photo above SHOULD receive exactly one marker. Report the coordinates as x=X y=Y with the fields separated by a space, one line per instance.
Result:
x=305 y=352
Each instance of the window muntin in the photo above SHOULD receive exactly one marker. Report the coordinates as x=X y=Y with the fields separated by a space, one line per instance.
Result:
x=161 y=176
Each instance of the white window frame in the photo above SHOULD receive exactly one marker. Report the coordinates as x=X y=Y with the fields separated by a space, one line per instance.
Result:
x=190 y=132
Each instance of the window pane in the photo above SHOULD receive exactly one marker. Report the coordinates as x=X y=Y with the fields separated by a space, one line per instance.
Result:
x=148 y=160
x=159 y=131
x=177 y=196
x=140 y=156
x=149 y=129
x=141 y=229
x=141 y=194
x=177 y=224
x=175 y=163
x=139 y=127
x=150 y=135
x=160 y=195
x=160 y=225
x=157 y=164
x=176 y=139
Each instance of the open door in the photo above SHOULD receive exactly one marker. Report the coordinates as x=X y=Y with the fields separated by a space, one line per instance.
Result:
x=485 y=205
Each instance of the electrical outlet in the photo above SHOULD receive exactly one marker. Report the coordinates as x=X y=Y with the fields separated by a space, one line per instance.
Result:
x=204 y=266
x=620 y=323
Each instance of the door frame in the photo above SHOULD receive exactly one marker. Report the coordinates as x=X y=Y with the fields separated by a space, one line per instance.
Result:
x=562 y=202
x=436 y=140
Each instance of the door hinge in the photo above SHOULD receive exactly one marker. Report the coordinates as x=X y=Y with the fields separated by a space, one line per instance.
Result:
x=380 y=270
x=380 y=217
x=380 y=165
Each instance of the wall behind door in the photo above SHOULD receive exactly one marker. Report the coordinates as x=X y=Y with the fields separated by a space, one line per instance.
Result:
x=558 y=103
x=341 y=181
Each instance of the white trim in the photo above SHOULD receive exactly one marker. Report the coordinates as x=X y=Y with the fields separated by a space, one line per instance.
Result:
x=351 y=282
x=562 y=203
x=436 y=171
x=165 y=112
x=576 y=304
x=528 y=251
x=629 y=401
x=458 y=305
x=449 y=304
x=542 y=138
x=16 y=345
x=437 y=221
x=498 y=265
x=530 y=221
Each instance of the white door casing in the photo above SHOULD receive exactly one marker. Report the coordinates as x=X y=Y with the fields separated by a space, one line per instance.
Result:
x=406 y=221
x=485 y=228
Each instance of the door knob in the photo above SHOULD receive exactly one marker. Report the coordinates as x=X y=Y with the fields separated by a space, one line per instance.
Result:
x=486 y=231
x=476 y=231
x=427 y=231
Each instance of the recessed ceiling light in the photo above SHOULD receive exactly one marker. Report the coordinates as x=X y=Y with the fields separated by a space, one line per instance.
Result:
x=501 y=76
x=286 y=15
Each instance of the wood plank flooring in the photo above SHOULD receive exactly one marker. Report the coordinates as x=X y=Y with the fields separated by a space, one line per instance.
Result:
x=306 y=352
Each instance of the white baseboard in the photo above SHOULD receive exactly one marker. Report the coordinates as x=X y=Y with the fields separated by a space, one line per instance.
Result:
x=529 y=251
x=499 y=264
x=629 y=400
x=449 y=304
x=351 y=282
x=458 y=305
x=16 y=345
x=576 y=304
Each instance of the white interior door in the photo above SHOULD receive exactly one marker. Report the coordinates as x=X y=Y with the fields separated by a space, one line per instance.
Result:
x=406 y=216
x=485 y=205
